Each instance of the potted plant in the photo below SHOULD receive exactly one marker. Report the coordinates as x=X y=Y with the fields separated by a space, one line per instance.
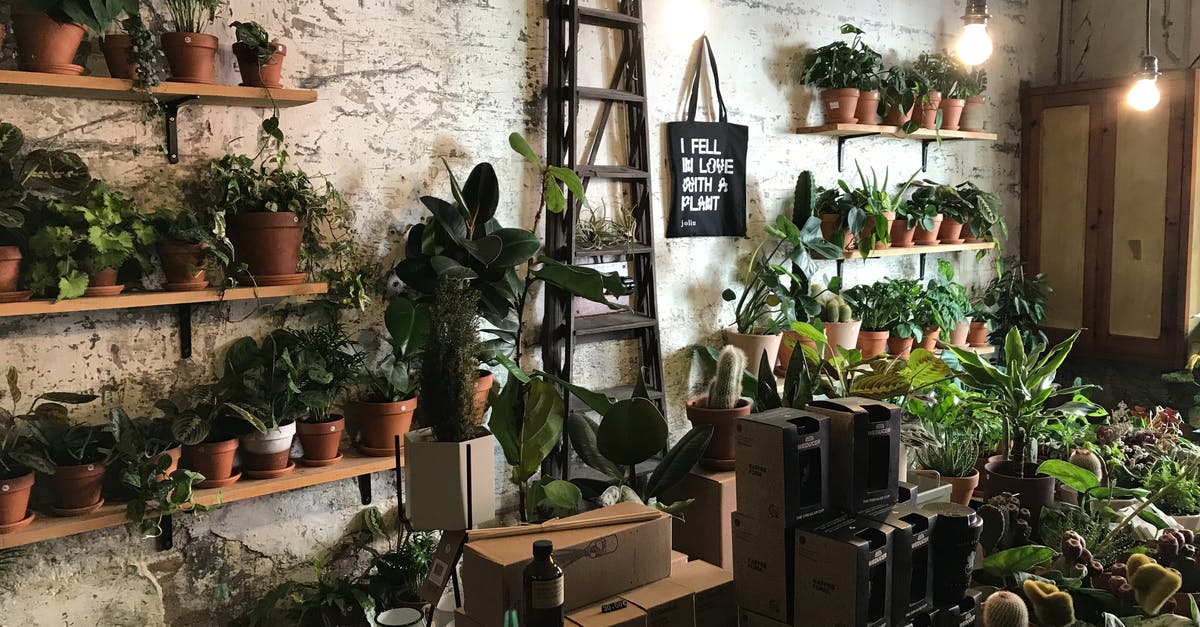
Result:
x=901 y=88
x=1018 y=394
x=207 y=427
x=260 y=60
x=870 y=302
x=867 y=111
x=323 y=366
x=436 y=456
x=49 y=32
x=954 y=449
x=1177 y=489
x=130 y=51
x=81 y=244
x=972 y=88
x=900 y=301
x=984 y=214
x=146 y=458
x=721 y=406
x=880 y=208
x=953 y=208
x=947 y=77
x=387 y=397
x=833 y=206
x=925 y=213
x=943 y=310
x=20 y=457
x=326 y=599
x=191 y=54
x=396 y=573
x=1016 y=301
x=839 y=325
x=837 y=69
x=190 y=243
x=981 y=325
x=80 y=454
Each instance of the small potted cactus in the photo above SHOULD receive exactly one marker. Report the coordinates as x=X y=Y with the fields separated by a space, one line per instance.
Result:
x=1005 y=609
x=721 y=407
x=841 y=327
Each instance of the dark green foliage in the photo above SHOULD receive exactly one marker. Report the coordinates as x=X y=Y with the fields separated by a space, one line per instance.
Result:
x=97 y=16
x=1016 y=301
x=944 y=72
x=29 y=183
x=23 y=437
x=451 y=358
x=901 y=88
x=930 y=198
x=943 y=303
x=198 y=225
x=203 y=417
x=191 y=16
x=330 y=600
x=1180 y=492
x=254 y=36
x=321 y=367
x=394 y=377
x=840 y=65
x=985 y=211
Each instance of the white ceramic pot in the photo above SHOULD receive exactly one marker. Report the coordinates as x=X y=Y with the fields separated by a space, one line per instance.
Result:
x=273 y=441
x=755 y=346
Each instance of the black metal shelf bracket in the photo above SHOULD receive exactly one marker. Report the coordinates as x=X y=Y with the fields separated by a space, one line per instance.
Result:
x=166 y=537
x=925 y=160
x=841 y=148
x=184 y=317
x=922 y=256
x=364 y=488
x=841 y=268
x=171 y=113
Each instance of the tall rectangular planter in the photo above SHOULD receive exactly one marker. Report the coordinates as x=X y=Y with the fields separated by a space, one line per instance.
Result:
x=436 y=481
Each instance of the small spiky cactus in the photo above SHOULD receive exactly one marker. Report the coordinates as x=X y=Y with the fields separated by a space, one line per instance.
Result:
x=836 y=309
x=1053 y=607
x=1005 y=609
x=725 y=389
x=1088 y=460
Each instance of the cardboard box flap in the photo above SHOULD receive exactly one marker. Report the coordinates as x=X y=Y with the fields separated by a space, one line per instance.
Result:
x=505 y=551
x=699 y=576
x=612 y=611
x=855 y=404
x=656 y=594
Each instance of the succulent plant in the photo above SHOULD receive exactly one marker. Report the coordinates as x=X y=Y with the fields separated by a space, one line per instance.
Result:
x=1153 y=585
x=1074 y=558
x=1087 y=460
x=836 y=309
x=1051 y=606
x=1005 y=609
x=725 y=389
x=1005 y=523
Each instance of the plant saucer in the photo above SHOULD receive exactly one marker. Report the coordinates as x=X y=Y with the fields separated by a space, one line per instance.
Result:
x=190 y=286
x=220 y=483
x=379 y=452
x=66 y=69
x=954 y=241
x=15 y=297
x=20 y=524
x=320 y=463
x=271 y=474
x=269 y=280
x=107 y=290
x=77 y=511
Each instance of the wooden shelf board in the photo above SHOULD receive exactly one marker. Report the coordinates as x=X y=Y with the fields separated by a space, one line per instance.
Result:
x=158 y=299
x=855 y=130
x=926 y=134
x=102 y=88
x=48 y=527
x=917 y=250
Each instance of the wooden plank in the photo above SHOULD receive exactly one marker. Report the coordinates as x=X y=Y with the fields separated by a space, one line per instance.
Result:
x=158 y=299
x=847 y=130
x=101 y=88
x=1063 y=207
x=927 y=134
x=918 y=250
x=47 y=527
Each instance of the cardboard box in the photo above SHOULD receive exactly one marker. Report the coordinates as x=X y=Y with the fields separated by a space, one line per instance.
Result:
x=597 y=562
x=666 y=604
x=746 y=618
x=705 y=531
x=912 y=561
x=783 y=464
x=763 y=553
x=864 y=447
x=713 y=589
x=677 y=559
x=462 y=620
x=843 y=574
x=611 y=612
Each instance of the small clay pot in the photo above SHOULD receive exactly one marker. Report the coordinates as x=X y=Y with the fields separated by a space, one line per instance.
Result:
x=45 y=45
x=183 y=264
x=890 y=217
x=829 y=225
x=483 y=388
x=962 y=488
x=899 y=347
x=930 y=237
x=843 y=334
x=77 y=487
x=755 y=347
x=267 y=242
x=929 y=338
x=378 y=424
x=255 y=75
x=872 y=343
x=958 y=335
x=721 y=452
x=867 y=111
x=930 y=105
x=321 y=440
x=901 y=236
x=977 y=336
x=840 y=105
x=14 y=499
x=896 y=117
x=969 y=235
x=973 y=114
x=190 y=56
x=10 y=268
x=952 y=110
x=118 y=56
x=784 y=356
x=214 y=460
x=951 y=231
x=103 y=283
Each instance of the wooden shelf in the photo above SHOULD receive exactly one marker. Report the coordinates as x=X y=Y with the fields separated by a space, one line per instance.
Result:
x=862 y=130
x=100 y=88
x=47 y=526
x=915 y=250
x=157 y=299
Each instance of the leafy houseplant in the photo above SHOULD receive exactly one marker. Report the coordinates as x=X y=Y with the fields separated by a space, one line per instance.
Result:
x=900 y=301
x=85 y=241
x=49 y=31
x=984 y=213
x=324 y=365
x=944 y=308
x=871 y=303
x=207 y=427
x=330 y=599
x=839 y=69
x=1180 y=492
x=955 y=449
x=396 y=574
x=721 y=406
x=973 y=87
x=20 y=456
x=191 y=54
x=948 y=78
x=259 y=59
x=879 y=208
x=387 y=397
x=190 y=243
x=146 y=458
x=79 y=453
x=1016 y=301
x=901 y=88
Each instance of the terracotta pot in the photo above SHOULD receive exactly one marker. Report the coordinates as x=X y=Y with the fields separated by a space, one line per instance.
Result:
x=267 y=242
x=951 y=231
x=890 y=217
x=214 y=460
x=829 y=225
x=969 y=235
x=190 y=56
x=183 y=264
x=952 y=110
x=755 y=347
x=254 y=75
x=896 y=117
x=483 y=387
x=930 y=105
x=973 y=114
x=977 y=336
x=872 y=343
x=721 y=451
x=10 y=268
x=103 y=278
x=379 y=423
x=900 y=347
x=321 y=440
x=961 y=488
x=843 y=334
x=1035 y=491
x=77 y=487
x=867 y=111
x=930 y=337
x=785 y=351
x=929 y=238
x=901 y=236
x=44 y=45
x=840 y=105
x=118 y=56
x=14 y=498
x=958 y=335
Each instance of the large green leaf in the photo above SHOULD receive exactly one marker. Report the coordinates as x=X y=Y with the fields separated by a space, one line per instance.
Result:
x=503 y=421
x=408 y=323
x=481 y=194
x=57 y=169
x=631 y=432
x=925 y=369
x=517 y=247
x=541 y=428
x=11 y=140
x=768 y=388
x=1023 y=558
x=596 y=401
x=519 y=144
x=578 y=280
x=582 y=432
x=1078 y=478
x=679 y=461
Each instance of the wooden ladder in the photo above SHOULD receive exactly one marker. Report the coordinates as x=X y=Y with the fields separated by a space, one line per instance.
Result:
x=562 y=330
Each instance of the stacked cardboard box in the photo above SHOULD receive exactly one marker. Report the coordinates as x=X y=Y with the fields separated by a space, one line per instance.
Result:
x=704 y=531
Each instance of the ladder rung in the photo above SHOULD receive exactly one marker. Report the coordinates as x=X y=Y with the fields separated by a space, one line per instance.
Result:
x=607 y=19
x=611 y=172
x=586 y=256
x=621 y=393
x=616 y=95
x=613 y=323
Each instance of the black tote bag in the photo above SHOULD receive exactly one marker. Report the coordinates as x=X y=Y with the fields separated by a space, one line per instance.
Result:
x=708 y=167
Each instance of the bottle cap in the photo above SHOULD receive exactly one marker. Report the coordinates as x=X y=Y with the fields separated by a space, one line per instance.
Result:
x=542 y=548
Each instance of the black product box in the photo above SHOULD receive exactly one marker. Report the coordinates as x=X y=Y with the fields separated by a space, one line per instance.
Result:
x=912 y=560
x=843 y=573
x=906 y=493
x=782 y=467
x=864 y=452
x=966 y=613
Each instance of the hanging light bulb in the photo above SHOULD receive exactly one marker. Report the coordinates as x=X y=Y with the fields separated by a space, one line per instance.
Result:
x=975 y=44
x=1144 y=96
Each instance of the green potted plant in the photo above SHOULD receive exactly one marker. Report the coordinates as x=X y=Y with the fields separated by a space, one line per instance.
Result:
x=1177 y=489
x=949 y=78
x=925 y=213
x=868 y=108
x=1016 y=300
x=720 y=406
x=387 y=397
x=954 y=209
x=191 y=54
x=839 y=324
x=880 y=207
x=49 y=31
x=972 y=87
x=81 y=244
x=20 y=457
x=901 y=88
x=146 y=458
x=436 y=456
x=984 y=214
x=943 y=310
x=208 y=429
x=980 y=326
x=899 y=303
x=190 y=244
x=396 y=573
x=323 y=366
x=870 y=302
x=80 y=454
x=834 y=208
x=837 y=69
x=954 y=449
x=260 y=59
x=328 y=599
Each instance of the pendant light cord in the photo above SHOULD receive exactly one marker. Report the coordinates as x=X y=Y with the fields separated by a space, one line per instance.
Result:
x=1147 y=53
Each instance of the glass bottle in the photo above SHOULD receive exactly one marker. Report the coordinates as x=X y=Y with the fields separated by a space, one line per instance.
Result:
x=544 y=596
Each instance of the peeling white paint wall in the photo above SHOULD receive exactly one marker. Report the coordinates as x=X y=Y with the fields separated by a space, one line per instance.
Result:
x=402 y=83
x=1105 y=38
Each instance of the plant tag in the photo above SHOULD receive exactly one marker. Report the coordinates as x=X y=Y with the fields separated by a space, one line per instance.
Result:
x=835 y=105
x=445 y=560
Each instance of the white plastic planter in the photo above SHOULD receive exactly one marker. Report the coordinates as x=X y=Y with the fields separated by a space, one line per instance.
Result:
x=437 y=482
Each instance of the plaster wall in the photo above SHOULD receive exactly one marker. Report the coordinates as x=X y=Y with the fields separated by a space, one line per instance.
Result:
x=402 y=83
x=1104 y=38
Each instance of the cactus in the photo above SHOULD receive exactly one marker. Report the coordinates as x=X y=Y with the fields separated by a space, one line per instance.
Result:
x=1005 y=609
x=1074 y=557
x=1005 y=523
x=1189 y=572
x=836 y=309
x=845 y=313
x=1088 y=460
x=831 y=312
x=1051 y=606
x=806 y=198
x=1152 y=584
x=995 y=527
x=725 y=390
